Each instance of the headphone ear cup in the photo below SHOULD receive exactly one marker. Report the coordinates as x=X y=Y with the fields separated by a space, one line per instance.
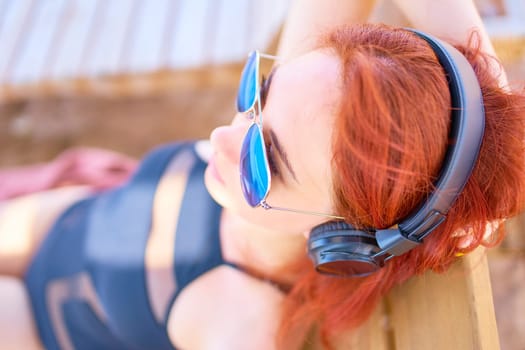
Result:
x=330 y=227
x=337 y=248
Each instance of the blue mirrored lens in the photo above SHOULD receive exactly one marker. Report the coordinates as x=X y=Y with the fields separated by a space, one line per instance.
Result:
x=248 y=84
x=255 y=177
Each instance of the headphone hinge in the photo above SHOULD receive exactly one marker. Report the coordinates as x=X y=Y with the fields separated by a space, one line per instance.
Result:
x=431 y=222
x=394 y=242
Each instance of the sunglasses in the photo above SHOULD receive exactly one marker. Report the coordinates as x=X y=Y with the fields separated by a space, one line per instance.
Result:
x=254 y=166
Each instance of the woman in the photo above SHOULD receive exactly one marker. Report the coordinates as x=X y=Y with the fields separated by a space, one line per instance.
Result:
x=355 y=130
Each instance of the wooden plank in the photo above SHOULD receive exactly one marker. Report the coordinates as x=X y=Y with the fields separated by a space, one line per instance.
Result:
x=446 y=311
x=373 y=335
x=74 y=45
x=32 y=56
x=485 y=335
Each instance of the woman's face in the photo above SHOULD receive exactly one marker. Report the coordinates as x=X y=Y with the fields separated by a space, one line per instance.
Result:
x=298 y=115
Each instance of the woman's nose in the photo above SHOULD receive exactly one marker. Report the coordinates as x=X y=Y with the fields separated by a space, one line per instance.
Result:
x=226 y=140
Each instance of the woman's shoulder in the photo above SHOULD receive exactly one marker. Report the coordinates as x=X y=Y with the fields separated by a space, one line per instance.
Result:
x=225 y=300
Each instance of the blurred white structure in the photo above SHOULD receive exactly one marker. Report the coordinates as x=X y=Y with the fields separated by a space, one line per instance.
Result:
x=49 y=41
x=505 y=22
x=114 y=47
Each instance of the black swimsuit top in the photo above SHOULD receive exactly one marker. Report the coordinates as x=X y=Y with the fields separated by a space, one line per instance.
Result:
x=87 y=284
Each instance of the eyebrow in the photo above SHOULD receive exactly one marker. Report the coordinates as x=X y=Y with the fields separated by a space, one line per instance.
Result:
x=272 y=73
x=282 y=154
x=268 y=79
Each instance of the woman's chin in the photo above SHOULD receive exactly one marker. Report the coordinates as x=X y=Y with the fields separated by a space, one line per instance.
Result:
x=216 y=188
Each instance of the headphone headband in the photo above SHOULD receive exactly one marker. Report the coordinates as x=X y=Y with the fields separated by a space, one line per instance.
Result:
x=465 y=137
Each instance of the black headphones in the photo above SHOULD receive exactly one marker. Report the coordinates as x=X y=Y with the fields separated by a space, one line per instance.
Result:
x=337 y=248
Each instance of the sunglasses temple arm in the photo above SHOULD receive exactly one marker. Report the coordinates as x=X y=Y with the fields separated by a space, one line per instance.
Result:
x=272 y=57
x=268 y=207
x=265 y=55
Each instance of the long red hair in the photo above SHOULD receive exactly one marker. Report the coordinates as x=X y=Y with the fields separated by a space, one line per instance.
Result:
x=389 y=141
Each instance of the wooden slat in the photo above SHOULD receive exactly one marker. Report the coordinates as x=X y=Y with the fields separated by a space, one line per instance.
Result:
x=446 y=311
x=373 y=335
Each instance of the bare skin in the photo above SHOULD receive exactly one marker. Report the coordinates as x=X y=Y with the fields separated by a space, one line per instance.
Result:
x=227 y=299
x=23 y=224
x=266 y=249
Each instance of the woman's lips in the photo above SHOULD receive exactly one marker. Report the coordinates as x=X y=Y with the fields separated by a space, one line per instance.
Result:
x=213 y=169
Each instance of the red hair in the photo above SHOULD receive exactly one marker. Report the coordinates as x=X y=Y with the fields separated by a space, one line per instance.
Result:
x=389 y=141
